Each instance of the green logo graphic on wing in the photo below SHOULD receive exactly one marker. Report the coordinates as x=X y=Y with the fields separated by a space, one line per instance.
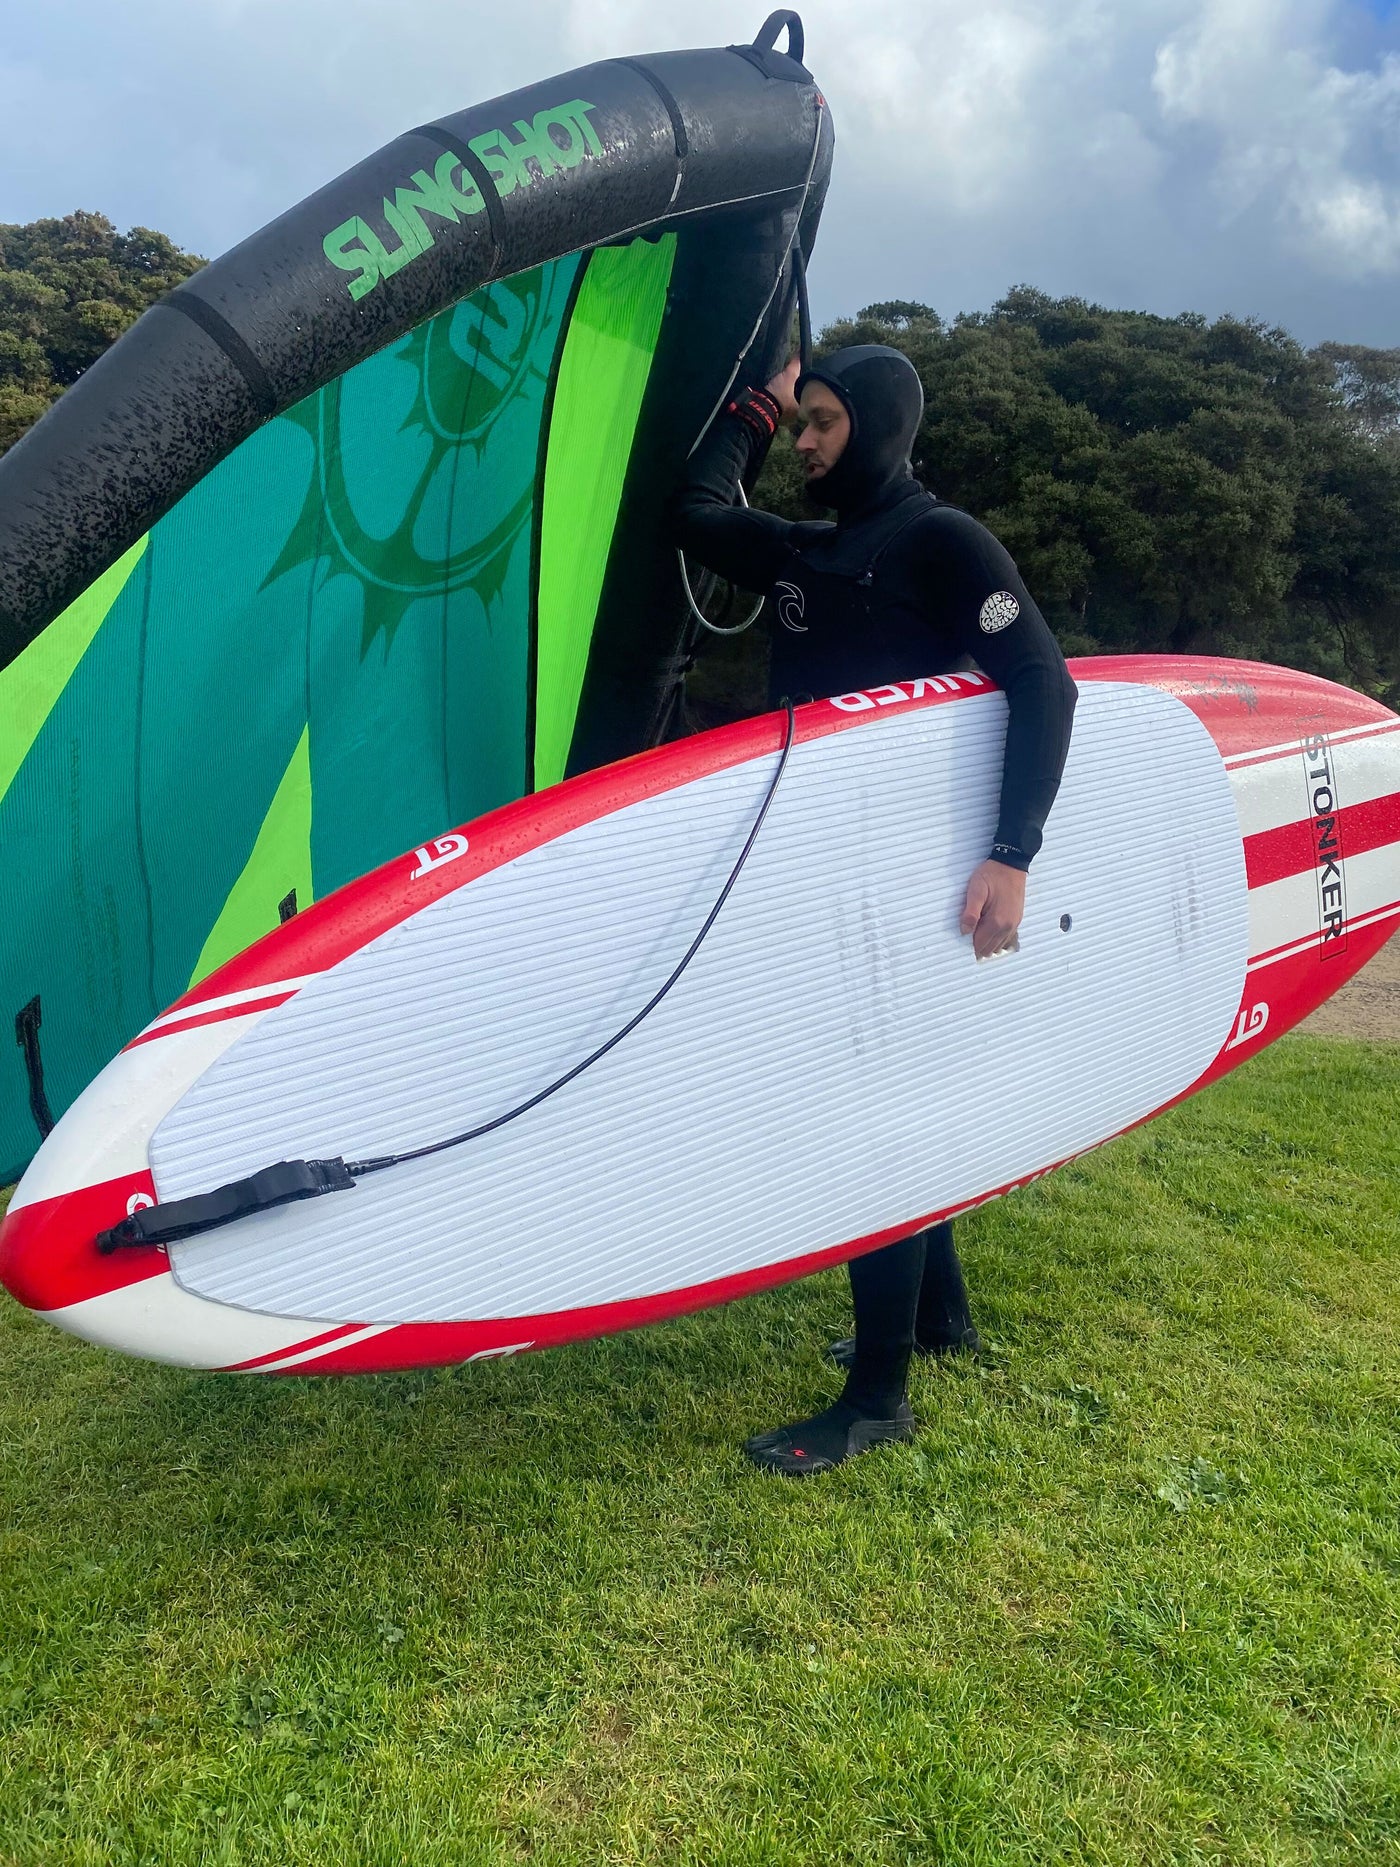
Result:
x=426 y=455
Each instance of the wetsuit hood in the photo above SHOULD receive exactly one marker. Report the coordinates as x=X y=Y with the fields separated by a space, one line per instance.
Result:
x=880 y=391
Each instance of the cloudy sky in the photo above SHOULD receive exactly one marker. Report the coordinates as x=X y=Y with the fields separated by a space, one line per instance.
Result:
x=1209 y=155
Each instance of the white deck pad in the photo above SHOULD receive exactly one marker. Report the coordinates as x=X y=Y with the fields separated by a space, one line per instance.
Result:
x=834 y=1061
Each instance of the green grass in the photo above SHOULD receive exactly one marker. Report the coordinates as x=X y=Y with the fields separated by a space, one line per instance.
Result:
x=1132 y=1597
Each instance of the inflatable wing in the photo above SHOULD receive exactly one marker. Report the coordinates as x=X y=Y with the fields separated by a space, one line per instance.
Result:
x=357 y=534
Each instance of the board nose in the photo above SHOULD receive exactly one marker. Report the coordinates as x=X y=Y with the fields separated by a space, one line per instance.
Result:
x=48 y=1252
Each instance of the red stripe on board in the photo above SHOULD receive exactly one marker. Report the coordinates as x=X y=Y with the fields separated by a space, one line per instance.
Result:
x=1244 y=705
x=255 y=1362
x=1291 y=848
x=224 y=1012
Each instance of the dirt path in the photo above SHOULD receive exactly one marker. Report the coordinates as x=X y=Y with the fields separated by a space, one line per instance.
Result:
x=1367 y=1006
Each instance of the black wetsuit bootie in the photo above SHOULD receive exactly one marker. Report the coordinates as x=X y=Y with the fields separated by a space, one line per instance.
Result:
x=827 y=1439
x=873 y=1410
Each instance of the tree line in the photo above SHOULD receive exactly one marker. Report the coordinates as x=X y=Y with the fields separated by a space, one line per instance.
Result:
x=69 y=288
x=1164 y=483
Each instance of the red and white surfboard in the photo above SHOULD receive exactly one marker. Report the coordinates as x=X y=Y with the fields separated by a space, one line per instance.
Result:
x=832 y=1071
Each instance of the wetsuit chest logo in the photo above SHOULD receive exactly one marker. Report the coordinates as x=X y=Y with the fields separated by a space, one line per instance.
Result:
x=792 y=607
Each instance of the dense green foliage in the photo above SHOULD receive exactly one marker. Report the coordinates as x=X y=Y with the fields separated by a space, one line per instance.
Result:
x=1128 y=1601
x=1166 y=483
x=67 y=289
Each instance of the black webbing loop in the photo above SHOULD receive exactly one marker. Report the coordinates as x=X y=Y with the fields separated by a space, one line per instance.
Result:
x=278 y=1185
x=766 y=38
x=27 y=1024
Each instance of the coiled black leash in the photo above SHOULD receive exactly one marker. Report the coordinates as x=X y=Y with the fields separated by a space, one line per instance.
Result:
x=288 y=1181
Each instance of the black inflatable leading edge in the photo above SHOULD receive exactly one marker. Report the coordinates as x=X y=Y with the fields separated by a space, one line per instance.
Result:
x=603 y=153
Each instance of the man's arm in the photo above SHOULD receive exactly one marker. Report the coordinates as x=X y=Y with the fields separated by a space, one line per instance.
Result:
x=1002 y=629
x=748 y=548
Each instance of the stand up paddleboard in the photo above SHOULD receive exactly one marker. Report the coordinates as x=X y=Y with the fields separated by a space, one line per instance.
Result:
x=830 y=1071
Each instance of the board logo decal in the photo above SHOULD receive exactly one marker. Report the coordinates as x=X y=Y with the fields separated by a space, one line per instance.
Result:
x=911 y=690
x=998 y=612
x=433 y=855
x=1325 y=808
x=792 y=607
x=1252 y=1022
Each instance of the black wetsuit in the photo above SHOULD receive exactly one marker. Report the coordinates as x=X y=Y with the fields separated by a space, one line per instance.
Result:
x=901 y=586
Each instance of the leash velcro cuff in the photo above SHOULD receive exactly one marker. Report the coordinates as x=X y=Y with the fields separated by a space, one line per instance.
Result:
x=277 y=1185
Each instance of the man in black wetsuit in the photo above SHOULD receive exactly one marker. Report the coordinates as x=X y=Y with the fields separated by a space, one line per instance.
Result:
x=900 y=586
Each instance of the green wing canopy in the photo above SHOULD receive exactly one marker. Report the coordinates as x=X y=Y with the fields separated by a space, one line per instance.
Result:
x=432 y=583
x=323 y=654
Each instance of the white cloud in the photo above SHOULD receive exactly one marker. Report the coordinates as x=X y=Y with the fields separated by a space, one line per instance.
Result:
x=1313 y=142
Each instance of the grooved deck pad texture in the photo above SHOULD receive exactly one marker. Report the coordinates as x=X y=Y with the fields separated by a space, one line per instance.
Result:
x=832 y=1064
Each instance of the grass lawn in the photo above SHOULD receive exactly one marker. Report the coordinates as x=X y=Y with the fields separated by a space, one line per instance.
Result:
x=1133 y=1596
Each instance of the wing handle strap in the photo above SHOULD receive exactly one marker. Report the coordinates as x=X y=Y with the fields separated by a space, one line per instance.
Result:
x=766 y=38
x=277 y=1185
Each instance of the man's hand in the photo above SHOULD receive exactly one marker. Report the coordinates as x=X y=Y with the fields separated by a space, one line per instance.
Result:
x=783 y=389
x=996 y=900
